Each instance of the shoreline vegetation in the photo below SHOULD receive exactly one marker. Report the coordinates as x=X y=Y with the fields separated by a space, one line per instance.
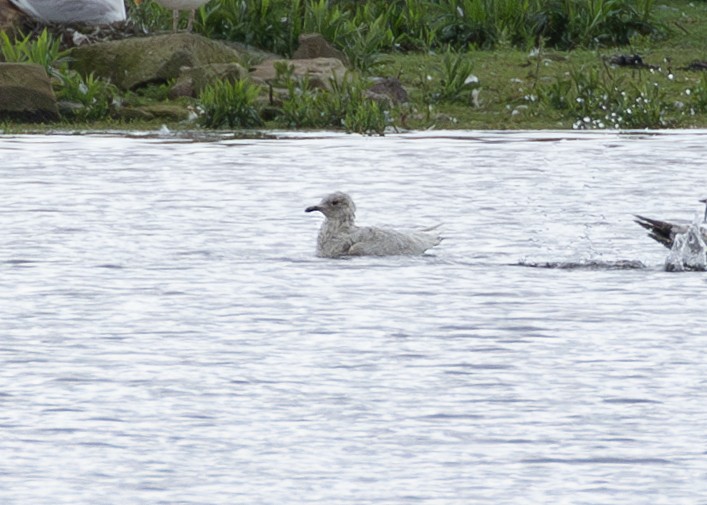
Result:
x=463 y=64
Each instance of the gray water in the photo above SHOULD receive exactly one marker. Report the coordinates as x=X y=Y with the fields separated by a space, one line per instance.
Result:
x=169 y=337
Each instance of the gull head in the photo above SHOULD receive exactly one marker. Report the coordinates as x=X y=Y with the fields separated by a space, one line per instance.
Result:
x=704 y=200
x=337 y=206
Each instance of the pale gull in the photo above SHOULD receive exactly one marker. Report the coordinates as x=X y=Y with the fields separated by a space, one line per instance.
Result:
x=339 y=235
x=73 y=11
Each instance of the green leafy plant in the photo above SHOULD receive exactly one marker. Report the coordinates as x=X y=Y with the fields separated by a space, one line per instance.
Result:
x=333 y=23
x=563 y=23
x=366 y=28
x=150 y=16
x=365 y=118
x=343 y=105
x=457 y=80
x=96 y=96
x=465 y=23
x=410 y=23
x=302 y=106
x=451 y=81
x=356 y=112
x=93 y=97
x=597 y=98
x=43 y=50
x=274 y=25
x=567 y=24
x=366 y=42
x=698 y=96
x=231 y=104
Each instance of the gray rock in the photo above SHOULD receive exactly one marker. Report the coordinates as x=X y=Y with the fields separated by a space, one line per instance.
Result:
x=164 y=112
x=314 y=45
x=136 y=62
x=388 y=90
x=26 y=93
x=319 y=70
x=193 y=80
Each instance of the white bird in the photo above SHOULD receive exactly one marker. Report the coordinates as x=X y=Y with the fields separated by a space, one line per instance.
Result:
x=176 y=6
x=665 y=232
x=96 y=12
x=339 y=235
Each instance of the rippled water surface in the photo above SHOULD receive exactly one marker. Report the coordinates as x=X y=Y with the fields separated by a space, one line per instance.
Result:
x=169 y=337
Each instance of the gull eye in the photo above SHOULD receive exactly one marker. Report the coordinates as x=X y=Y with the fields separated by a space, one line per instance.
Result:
x=335 y=202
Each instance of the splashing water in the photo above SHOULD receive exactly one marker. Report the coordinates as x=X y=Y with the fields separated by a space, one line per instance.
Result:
x=689 y=251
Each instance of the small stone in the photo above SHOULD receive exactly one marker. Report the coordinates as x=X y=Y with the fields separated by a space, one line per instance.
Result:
x=320 y=71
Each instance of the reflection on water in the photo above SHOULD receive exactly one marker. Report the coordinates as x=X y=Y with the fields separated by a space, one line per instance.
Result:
x=170 y=337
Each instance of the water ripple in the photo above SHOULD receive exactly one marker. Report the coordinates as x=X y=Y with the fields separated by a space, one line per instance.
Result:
x=168 y=335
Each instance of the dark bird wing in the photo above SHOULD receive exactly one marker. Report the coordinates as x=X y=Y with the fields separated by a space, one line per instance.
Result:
x=661 y=231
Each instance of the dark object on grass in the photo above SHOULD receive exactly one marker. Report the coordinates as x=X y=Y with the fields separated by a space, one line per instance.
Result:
x=388 y=89
x=628 y=60
x=696 y=66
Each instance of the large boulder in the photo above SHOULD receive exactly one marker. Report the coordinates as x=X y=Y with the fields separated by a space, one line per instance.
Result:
x=26 y=93
x=319 y=71
x=136 y=62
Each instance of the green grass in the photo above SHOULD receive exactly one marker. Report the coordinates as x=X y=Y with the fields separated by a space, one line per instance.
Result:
x=230 y=104
x=511 y=84
x=511 y=80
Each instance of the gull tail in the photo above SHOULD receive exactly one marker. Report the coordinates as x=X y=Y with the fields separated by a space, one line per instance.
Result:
x=433 y=233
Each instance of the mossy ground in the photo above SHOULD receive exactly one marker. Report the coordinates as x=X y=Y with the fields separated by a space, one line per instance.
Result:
x=508 y=79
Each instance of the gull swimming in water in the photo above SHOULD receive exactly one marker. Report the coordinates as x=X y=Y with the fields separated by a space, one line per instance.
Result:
x=340 y=236
x=665 y=232
x=98 y=12
x=176 y=6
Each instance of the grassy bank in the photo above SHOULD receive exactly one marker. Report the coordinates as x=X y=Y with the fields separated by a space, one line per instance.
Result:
x=503 y=68
x=517 y=90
